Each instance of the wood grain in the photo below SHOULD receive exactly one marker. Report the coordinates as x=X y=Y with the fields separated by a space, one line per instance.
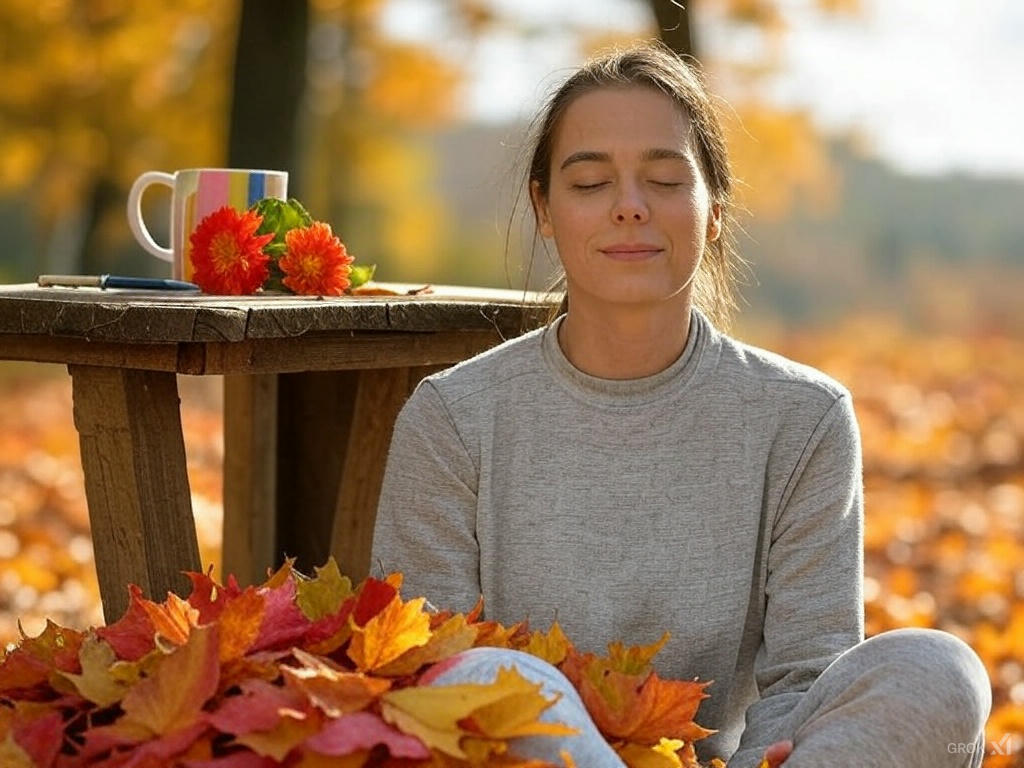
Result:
x=250 y=543
x=133 y=457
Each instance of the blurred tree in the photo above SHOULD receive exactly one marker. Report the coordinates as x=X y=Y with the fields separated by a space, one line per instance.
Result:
x=269 y=85
x=97 y=92
x=777 y=154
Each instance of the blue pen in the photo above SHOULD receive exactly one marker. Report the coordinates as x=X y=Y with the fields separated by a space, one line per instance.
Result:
x=117 y=281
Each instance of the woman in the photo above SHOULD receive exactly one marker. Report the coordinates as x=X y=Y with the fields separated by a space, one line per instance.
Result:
x=629 y=468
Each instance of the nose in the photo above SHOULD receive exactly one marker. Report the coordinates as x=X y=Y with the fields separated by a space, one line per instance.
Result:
x=630 y=206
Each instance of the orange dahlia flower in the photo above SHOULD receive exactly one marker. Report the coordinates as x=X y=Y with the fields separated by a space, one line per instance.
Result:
x=227 y=254
x=315 y=261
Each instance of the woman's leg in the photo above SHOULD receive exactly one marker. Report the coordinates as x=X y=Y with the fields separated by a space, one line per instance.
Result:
x=480 y=665
x=913 y=698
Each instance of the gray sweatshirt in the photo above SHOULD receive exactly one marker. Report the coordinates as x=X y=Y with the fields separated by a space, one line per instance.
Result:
x=719 y=499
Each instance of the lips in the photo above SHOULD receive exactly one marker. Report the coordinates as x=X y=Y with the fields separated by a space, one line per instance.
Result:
x=631 y=251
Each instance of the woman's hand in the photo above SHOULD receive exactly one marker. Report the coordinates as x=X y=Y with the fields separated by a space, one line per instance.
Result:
x=776 y=754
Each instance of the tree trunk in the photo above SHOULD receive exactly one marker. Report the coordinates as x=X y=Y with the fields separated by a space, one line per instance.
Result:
x=674 y=25
x=269 y=82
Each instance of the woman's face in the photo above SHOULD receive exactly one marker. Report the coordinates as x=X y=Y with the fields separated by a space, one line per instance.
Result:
x=627 y=205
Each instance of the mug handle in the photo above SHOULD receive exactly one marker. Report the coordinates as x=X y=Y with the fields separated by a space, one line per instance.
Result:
x=135 y=222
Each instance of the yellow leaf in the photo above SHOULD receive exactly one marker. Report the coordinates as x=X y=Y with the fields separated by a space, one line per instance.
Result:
x=639 y=756
x=397 y=628
x=452 y=637
x=434 y=714
x=96 y=683
x=551 y=646
x=516 y=713
x=634 y=660
x=324 y=594
x=292 y=729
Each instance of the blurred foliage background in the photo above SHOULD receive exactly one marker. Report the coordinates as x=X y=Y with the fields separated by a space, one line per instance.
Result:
x=905 y=287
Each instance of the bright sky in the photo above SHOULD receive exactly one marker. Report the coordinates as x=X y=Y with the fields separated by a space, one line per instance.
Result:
x=934 y=84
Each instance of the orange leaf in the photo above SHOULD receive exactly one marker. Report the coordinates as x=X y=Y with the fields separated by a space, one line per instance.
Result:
x=240 y=622
x=292 y=729
x=173 y=696
x=332 y=690
x=634 y=660
x=173 y=619
x=454 y=636
x=634 y=707
x=551 y=646
x=397 y=628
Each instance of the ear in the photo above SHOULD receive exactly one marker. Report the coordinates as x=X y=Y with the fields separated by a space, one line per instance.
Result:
x=714 y=222
x=540 y=210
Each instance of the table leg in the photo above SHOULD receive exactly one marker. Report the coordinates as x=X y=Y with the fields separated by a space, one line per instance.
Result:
x=250 y=477
x=379 y=397
x=136 y=483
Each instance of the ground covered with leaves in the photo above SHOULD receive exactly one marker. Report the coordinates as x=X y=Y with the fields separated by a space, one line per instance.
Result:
x=943 y=425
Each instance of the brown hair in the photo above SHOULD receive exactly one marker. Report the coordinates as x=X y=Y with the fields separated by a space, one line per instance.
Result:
x=654 y=65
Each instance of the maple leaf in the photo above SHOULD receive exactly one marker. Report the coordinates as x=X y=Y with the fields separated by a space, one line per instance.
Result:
x=257 y=707
x=448 y=639
x=552 y=646
x=389 y=633
x=634 y=660
x=323 y=595
x=30 y=663
x=293 y=728
x=281 y=576
x=517 y=712
x=208 y=597
x=330 y=632
x=172 y=619
x=435 y=714
x=40 y=734
x=131 y=636
x=365 y=730
x=100 y=681
x=495 y=635
x=662 y=755
x=240 y=621
x=283 y=622
x=374 y=597
x=634 y=707
x=334 y=691
x=172 y=697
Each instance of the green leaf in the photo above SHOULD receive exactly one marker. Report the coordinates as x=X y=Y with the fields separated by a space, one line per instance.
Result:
x=280 y=217
x=360 y=273
x=323 y=595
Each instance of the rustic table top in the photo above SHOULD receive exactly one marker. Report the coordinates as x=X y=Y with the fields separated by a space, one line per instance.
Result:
x=146 y=316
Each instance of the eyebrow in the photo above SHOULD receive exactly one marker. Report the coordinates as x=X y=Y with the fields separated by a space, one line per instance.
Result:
x=648 y=155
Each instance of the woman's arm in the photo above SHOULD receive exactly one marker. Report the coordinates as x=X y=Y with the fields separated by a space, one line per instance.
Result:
x=814 y=590
x=426 y=516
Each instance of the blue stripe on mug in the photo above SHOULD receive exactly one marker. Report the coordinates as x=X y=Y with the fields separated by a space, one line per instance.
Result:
x=257 y=185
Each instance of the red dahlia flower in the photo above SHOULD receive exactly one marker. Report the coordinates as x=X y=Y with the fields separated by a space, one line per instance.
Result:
x=315 y=261
x=227 y=254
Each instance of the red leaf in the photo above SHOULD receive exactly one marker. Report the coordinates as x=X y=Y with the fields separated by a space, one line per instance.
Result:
x=208 y=597
x=257 y=708
x=374 y=597
x=283 y=620
x=132 y=635
x=41 y=738
x=365 y=730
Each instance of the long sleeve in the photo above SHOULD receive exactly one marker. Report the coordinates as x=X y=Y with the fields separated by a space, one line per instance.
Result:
x=814 y=587
x=426 y=516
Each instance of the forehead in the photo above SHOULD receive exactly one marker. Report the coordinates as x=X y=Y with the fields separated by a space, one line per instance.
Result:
x=621 y=121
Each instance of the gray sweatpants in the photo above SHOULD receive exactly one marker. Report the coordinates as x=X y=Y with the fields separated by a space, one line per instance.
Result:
x=907 y=698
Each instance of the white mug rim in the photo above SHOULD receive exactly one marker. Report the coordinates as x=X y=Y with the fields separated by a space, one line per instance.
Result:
x=228 y=170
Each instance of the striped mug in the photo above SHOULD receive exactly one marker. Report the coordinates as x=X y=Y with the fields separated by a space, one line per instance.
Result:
x=196 y=193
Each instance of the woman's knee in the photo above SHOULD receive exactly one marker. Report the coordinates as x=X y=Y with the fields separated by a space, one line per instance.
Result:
x=940 y=665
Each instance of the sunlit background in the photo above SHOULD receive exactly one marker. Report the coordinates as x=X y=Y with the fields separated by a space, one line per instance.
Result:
x=881 y=175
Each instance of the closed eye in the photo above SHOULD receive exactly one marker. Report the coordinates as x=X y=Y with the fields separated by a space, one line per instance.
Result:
x=585 y=187
x=666 y=183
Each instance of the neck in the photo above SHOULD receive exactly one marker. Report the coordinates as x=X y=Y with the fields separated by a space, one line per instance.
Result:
x=625 y=342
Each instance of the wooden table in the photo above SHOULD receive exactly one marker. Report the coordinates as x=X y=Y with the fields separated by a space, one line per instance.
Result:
x=312 y=387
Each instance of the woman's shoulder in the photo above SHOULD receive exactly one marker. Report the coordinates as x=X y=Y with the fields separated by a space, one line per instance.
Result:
x=766 y=370
x=493 y=368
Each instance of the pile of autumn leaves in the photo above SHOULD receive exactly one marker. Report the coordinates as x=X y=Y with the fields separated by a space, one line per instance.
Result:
x=310 y=673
